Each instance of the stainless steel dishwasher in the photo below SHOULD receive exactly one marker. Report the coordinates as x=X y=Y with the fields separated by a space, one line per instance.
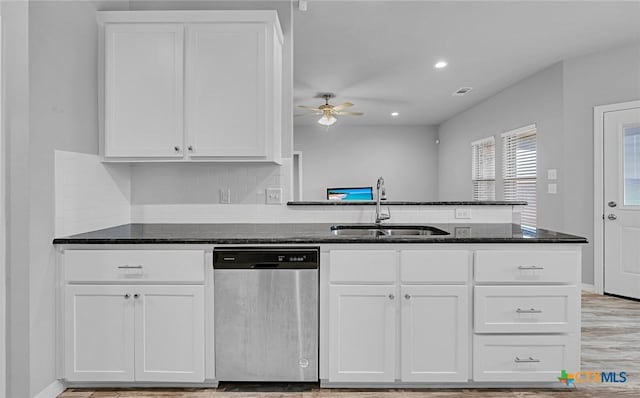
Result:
x=266 y=313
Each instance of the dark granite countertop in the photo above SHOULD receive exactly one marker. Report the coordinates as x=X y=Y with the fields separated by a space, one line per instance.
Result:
x=407 y=203
x=305 y=233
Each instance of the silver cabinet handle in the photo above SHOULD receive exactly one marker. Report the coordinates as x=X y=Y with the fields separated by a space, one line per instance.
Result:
x=526 y=360
x=130 y=266
x=407 y=296
x=612 y=217
x=126 y=296
x=530 y=267
x=176 y=148
x=530 y=311
x=612 y=204
x=391 y=296
x=135 y=296
x=190 y=148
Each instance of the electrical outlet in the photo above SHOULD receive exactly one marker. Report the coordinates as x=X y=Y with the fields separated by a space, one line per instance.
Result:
x=552 y=174
x=463 y=213
x=225 y=195
x=274 y=196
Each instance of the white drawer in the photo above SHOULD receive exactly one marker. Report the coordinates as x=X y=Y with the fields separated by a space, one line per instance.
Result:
x=134 y=265
x=524 y=357
x=552 y=266
x=364 y=266
x=425 y=266
x=526 y=309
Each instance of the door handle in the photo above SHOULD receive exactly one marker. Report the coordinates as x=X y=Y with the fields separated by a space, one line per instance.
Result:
x=612 y=204
x=612 y=217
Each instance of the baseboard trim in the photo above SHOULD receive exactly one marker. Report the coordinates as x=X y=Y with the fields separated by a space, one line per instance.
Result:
x=52 y=390
x=588 y=288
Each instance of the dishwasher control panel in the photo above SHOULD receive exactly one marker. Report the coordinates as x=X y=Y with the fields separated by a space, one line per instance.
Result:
x=260 y=257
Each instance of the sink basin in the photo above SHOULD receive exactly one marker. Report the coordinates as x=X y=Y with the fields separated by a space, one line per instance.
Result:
x=386 y=230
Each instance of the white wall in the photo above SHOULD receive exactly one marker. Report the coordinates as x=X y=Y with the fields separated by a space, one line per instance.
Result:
x=16 y=45
x=536 y=99
x=603 y=78
x=354 y=156
x=62 y=92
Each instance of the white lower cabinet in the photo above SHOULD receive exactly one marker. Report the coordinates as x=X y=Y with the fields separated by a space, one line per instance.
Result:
x=362 y=338
x=99 y=333
x=134 y=333
x=169 y=323
x=434 y=333
x=416 y=330
x=504 y=358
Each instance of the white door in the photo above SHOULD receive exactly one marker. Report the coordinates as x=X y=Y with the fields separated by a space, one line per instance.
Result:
x=362 y=333
x=226 y=90
x=143 y=90
x=434 y=333
x=169 y=333
x=622 y=202
x=99 y=333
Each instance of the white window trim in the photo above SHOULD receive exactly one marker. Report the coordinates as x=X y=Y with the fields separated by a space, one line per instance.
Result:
x=491 y=139
x=598 y=188
x=517 y=131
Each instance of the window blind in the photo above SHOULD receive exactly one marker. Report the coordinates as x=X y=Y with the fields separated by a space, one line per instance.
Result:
x=483 y=169
x=519 y=170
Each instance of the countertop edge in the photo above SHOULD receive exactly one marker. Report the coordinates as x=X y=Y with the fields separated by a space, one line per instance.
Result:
x=310 y=240
x=407 y=203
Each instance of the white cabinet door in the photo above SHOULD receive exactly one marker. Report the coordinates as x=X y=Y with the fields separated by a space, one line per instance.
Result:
x=143 y=90
x=169 y=341
x=362 y=333
x=435 y=333
x=226 y=95
x=99 y=333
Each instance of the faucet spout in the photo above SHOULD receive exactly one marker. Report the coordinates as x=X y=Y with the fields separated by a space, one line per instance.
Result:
x=381 y=194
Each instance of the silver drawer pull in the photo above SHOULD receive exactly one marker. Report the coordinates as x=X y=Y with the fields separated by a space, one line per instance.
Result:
x=130 y=266
x=530 y=267
x=530 y=311
x=526 y=360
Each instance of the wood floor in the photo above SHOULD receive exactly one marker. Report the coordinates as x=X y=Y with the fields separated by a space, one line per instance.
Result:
x=610 y=341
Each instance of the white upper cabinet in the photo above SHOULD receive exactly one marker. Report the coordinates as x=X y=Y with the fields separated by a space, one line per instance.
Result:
x=192 y=86
x=143 y=89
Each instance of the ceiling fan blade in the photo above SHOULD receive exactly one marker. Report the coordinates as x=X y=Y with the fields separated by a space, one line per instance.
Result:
x=308 y=114
x=340 y=107
x=313 y=108
x=349 y=113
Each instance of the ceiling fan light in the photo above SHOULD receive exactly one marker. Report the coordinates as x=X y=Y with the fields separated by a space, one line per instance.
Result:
x=327 y=120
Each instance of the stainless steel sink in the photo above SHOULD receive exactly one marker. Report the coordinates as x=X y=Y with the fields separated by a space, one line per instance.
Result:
x=386 y=230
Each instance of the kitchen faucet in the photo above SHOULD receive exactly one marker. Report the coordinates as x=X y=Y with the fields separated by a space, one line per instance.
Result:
x=381 y=194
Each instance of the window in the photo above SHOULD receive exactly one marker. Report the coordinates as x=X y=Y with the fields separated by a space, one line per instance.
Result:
x=483 y=169
x=519 y=170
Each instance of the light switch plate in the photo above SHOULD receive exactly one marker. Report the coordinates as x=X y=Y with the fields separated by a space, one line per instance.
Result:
x=463 y=213
x=225 y=195
x=552 y=188
x=274 y=196
x=552 y=174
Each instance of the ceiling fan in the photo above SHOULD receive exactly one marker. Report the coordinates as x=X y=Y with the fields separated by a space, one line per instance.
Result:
x=329 y=111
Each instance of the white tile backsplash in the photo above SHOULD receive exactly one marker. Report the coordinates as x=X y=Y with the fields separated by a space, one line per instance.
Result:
x=90 y=195
x=200 y=183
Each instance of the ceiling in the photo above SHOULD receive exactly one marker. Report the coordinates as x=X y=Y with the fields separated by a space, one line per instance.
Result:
x=380 y=54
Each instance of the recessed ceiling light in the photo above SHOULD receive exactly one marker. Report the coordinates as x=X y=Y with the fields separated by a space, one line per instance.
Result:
x=394 y=114
x=440 y=64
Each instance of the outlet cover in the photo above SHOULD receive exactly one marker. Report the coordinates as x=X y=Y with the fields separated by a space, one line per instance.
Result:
x=225 y=195
x=463 y=213
x=552 y=174
x=274 y=196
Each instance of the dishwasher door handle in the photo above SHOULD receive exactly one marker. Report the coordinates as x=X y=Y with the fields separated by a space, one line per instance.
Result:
x=265 y=266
